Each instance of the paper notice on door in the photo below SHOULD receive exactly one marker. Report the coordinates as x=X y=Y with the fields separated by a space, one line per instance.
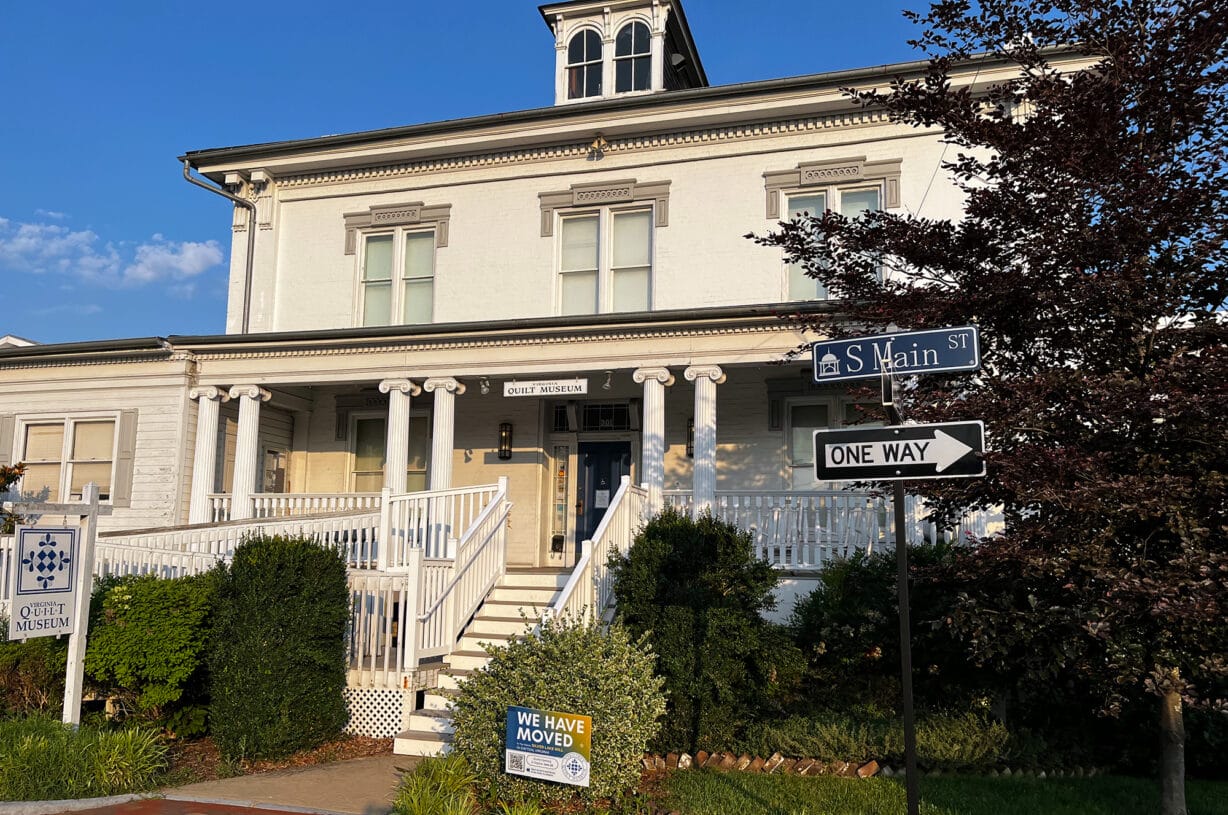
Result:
x=601 y=499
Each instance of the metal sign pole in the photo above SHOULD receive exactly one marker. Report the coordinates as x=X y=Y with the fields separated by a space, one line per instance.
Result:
x=911 y=781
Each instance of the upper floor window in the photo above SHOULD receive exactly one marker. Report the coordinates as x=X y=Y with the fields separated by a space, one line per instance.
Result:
x=849 y=202
x=632 y=59
x=584 y=65
x=398 y=278
x=605 y=261
x=395 y=245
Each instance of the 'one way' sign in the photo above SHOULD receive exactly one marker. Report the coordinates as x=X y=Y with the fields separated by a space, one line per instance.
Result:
x=900 y=452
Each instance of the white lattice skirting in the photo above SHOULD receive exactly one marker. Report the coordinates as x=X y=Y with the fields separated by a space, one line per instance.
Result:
x=378 y=712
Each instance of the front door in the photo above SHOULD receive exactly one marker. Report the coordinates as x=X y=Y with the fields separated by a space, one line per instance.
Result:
x=602 y=466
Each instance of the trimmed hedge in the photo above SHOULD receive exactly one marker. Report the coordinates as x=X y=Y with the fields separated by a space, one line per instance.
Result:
x=697 y=590
x=148 y=642
x=278 y=663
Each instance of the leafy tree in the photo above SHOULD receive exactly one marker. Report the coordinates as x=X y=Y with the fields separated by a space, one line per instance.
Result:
x=9 y=477
x=1091 y=253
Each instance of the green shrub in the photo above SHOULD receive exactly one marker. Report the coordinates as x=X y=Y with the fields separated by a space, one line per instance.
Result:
x=572 y=667
x=278 y=663
x=698 y=590
x=848 y=628
x=148 y=641
x=949 y=742
x=32 y=674
x=42 y=759
x=437 y=786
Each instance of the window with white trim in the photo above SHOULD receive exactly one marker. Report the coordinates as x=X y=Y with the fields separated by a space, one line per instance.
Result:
x=632 y=58
x=584 y=65
x=605 y=260
x=397 y=278
x=805 y=416
x=61 y=456
x=849 y=202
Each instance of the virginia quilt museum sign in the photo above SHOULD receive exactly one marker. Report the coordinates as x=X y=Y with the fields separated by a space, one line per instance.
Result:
x=547 y=387
x=45 y=563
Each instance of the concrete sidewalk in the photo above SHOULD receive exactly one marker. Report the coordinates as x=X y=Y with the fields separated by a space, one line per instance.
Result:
x=360 y=786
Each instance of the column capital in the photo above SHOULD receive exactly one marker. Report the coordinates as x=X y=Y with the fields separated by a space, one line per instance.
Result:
x=662 y=375
x=251 y=392
x=444 y=383
x=402 y=385
x=209 y=392
x=712 y=372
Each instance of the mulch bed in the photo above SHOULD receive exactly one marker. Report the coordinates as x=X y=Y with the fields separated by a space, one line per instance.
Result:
x=200 y=760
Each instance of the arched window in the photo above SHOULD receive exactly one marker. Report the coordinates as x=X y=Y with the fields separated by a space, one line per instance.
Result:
x=632 y=59
x=584 y=65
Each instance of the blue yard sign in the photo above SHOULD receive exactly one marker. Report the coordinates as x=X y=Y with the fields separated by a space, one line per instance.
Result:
x=938 y=350
x=548 y=745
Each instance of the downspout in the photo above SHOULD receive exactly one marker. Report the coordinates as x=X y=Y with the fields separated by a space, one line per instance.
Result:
x=251 y=238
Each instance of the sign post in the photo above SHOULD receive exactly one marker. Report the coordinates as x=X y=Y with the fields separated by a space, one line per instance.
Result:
x=52 y=580
x=899 y=453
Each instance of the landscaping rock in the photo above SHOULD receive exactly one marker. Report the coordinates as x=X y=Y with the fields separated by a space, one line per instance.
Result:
x=1041 y=774
x=701 y=757
x=713 y=760
x=658 y=762
x=756 y=765
x=647 y=761
x=844 y=768
x=1006 y=773
x=806 y=766
x=993 y=773
x=671 y=761
x=773 y=763
x=728 y=762
x=870 y=768
x=788 y=766
x=684 y=762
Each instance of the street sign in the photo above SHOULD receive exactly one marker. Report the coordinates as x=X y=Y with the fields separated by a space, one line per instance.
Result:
x=900 y=452
x=937 y=350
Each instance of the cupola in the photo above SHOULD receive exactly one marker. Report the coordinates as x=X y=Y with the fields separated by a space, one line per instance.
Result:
x=621 y=48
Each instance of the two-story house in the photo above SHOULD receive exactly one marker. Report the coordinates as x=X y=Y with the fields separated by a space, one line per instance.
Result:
x=559 y=297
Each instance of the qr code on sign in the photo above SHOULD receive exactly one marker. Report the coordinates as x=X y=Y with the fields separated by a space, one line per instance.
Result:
x=515 y=762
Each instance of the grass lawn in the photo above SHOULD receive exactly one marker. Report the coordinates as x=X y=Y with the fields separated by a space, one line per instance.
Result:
x=706 y=792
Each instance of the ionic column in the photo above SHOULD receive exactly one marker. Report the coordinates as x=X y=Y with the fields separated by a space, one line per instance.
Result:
x=247 y=452
x=655 y=381
x=396 y=450
x=204 y=463
x=446 y=389
x=703 y=485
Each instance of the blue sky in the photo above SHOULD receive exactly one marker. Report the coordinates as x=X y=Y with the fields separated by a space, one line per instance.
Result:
x=100 y=236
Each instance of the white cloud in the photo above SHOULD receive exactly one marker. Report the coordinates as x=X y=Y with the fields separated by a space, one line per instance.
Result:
x=50 y=213
x=74 y=309
x=46 y=248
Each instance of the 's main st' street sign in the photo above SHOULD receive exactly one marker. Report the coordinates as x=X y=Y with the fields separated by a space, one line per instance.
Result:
x=900 y=452
x=933 y=351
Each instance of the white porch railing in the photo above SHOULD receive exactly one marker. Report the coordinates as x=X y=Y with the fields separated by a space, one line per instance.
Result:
x=355 y=535
x=805 y=530
x=292 y=504
x=590 y=589
x=481 y=559
x=430 y=521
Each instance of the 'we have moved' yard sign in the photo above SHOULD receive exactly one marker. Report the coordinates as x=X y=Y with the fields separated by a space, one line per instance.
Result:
x=549 y=746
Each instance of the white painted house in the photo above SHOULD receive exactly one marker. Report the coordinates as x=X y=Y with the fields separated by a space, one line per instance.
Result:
x=504 y=314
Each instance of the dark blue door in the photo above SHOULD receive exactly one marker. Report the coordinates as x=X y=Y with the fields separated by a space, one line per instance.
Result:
x=602 y=466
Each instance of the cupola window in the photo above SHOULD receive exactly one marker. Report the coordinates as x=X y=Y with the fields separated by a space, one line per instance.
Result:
x=584 y=65
x=632 y=59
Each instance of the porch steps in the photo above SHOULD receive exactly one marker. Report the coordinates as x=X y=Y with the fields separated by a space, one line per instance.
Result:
x=511 y=611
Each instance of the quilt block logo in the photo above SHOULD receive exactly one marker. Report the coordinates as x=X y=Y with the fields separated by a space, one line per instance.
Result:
x=46 y=561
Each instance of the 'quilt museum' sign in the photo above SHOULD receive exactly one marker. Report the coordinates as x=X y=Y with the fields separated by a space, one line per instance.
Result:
x=44 y=582
x=547 y=387
x=548 y=746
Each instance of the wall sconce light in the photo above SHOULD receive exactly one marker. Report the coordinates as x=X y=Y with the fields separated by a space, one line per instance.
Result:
x=484 y=384
x=505 y=440
x=597 y=148
x=690 y=438
x=609 y=375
